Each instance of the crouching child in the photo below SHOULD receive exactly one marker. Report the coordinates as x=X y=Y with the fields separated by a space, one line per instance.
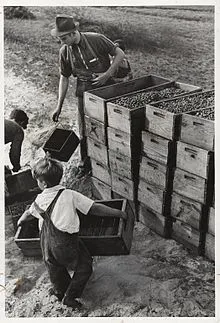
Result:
x=56 y=208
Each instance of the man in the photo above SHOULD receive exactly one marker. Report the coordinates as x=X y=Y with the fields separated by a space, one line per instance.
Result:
x=85 y=56
x=14 y=133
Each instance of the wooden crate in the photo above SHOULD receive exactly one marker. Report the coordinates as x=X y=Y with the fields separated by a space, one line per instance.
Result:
x=101 y=171
x=27 y=239
x=96 y=100
x=189 y=211
x=125 y=119
x=97 y=151
x=158 y=148
x=164 y=123
x=154 y=198
x=124 y=143
x=191 y=238
x=192 y=186
x=156 y=174
x=96 y=130
x=155 y=221
x=121 y=115
x=20 y=183
x=195 y=160
x=124 y=186
x=61 y=144
x=103 y=236
x=121 y=164
x=197 y=131
x=211 y=221
x=100 y=190
x=210 y=246
x=134 y=205
x=17 y=209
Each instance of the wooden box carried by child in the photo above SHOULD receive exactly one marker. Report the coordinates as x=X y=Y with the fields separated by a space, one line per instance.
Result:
x=96 y=100
x=103 y=236
x=61 y=144
x=17 y=209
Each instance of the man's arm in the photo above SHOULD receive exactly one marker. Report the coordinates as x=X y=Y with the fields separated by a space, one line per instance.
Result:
x=63 y=87
x=15 y=150
x=99 y=209
x=118 y=58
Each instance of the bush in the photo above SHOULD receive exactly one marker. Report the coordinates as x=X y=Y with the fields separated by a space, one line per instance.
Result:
x=18 y=12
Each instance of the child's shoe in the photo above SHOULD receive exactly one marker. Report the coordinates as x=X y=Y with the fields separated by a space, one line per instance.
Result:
x=53 y=292
x=72 y=303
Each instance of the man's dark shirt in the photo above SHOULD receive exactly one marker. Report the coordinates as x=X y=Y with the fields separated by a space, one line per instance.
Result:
x=14 y=134
x=102 y=47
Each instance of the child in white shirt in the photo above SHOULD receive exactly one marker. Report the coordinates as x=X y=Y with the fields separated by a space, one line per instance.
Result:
x=56 y=208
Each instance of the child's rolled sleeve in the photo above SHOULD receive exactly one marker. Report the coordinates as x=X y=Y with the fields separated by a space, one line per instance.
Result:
x=82 y=202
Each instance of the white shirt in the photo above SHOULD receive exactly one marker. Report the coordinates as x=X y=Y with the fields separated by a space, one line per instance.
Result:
x=64 y=215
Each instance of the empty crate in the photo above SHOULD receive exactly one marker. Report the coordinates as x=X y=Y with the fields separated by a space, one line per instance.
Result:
x=102 y=236
x=61 y=144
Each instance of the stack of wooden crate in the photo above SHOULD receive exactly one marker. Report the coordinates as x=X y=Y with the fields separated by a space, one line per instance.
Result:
x=158 y=164
x=110 y=150
x=193 y=183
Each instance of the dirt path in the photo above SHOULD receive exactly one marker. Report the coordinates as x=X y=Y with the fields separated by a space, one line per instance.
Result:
x=158 y=278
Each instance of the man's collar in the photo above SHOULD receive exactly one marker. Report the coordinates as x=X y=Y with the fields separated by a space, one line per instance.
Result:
x=82 y=42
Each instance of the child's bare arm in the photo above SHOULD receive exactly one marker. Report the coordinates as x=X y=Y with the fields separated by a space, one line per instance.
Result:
x=99 y=209
x=26 y=216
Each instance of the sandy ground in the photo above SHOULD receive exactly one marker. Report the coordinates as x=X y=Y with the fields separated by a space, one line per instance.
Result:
x=158 y=278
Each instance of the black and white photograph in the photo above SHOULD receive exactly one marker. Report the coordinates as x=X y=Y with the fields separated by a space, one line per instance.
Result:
x=109 y=161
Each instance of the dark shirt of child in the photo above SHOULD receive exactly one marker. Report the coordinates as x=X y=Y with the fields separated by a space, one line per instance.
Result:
x=56 y=208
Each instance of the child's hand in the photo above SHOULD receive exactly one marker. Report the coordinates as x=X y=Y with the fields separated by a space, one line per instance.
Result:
x=23 y=218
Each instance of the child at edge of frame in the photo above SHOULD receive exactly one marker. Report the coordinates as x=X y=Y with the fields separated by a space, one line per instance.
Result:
x=56 y=209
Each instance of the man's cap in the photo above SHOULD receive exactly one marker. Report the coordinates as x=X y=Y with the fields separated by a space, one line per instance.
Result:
x=64 y=25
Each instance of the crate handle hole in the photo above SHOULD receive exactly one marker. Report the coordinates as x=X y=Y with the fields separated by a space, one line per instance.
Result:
x=118 y=111
x=158 y=114
x=92 y=99
x=189 y=177
x=154 y=141
x=195 y=123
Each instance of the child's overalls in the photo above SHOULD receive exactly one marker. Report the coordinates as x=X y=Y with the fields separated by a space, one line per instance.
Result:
x=61 y=249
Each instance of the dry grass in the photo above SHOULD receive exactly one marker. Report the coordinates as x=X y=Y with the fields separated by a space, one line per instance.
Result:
x=169 y=41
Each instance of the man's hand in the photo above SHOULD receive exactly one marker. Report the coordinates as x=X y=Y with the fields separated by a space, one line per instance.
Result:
x=101 y=79
x=15 y=169
x=56 y=115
